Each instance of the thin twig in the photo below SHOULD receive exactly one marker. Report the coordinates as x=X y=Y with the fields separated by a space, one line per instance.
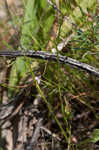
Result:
x=59 y=11
x=50 y=133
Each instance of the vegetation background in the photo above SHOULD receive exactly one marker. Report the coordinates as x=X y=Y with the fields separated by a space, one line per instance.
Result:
x=66 y=99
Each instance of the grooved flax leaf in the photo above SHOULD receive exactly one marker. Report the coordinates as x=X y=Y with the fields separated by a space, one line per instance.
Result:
x=29 y=26
x=30 y=23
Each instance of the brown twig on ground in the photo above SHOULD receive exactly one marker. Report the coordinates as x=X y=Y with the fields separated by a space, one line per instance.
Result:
x=50 y=133
x=9 y=110
x=35 y=136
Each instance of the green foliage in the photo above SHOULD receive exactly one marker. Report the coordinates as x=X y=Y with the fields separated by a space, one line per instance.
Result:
x=33 y=35
x=95 y=136
x=60 y=81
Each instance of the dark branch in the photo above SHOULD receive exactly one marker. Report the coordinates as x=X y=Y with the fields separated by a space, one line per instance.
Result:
x=33 y=142
x=52 y=57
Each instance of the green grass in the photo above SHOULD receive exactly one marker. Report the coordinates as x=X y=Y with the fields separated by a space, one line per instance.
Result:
x=60 y=80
